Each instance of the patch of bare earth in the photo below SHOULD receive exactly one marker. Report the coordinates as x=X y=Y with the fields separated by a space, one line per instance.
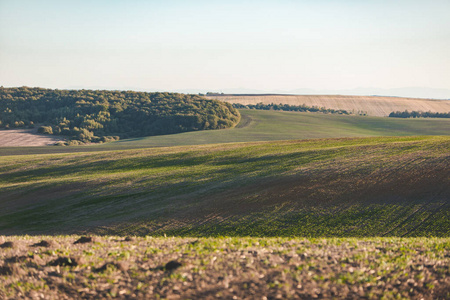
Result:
x=223 y=268
x=372 y=105
x=26 y=137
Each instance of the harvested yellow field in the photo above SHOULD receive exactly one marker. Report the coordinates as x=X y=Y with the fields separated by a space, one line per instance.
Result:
x=372 y=105
x=25 y=137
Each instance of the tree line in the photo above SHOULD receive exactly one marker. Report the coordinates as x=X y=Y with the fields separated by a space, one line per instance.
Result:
x=287 y=107
x=418 y=114
x=100 y=116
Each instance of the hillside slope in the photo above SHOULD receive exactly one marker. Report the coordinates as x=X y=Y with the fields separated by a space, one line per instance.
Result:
x=337 y=187
x=258 y=125
x=101 y=116
x=372 y=105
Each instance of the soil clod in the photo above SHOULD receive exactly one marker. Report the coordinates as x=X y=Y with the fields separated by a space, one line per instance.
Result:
x=18 y=259
x=43 y=243
x=7 y=245
x=6 y=270
x=84 y=240
x=122 y=266
x=172 y=265
x=65 y=261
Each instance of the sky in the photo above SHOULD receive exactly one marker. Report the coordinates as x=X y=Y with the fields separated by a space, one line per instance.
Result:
x=267 y=46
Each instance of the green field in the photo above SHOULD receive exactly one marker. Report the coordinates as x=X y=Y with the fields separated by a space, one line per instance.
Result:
x=285 y=205
x=257 y=125
x=388 y=186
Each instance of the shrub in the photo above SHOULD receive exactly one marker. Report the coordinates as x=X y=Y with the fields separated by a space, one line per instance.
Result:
x=45 y=130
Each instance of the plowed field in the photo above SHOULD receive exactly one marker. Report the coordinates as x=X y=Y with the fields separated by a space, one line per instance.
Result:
x=26 y=137
x=372 y=105
x=223 y=268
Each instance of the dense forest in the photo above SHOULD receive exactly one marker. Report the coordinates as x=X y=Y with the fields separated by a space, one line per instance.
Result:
x=287 y=107
x=418 y=114
x=99 y=116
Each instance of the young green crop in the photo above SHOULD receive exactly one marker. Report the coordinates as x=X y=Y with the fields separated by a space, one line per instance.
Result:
x=390 y=186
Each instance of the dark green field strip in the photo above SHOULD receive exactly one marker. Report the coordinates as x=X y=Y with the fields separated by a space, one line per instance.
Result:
x=357 y=221
x=266 y=126
x=395 y=186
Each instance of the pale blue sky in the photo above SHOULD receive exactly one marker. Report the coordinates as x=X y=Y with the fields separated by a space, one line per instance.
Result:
x=217 y=45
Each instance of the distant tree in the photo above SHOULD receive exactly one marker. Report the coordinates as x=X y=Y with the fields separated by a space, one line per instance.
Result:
x=287 y=107
x=87 y=116
x=45 y=130
x=418 y=114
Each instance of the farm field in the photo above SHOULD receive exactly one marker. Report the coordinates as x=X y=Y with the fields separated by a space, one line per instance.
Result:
x=259 y=125
x=312 y=205
x=272 y=125
x=150 y=150
x=65 y=267
x=372 y=105
x=26 y=137
x=349 y=187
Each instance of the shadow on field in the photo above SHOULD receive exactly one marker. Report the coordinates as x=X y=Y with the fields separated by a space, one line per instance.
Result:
x=266 y=189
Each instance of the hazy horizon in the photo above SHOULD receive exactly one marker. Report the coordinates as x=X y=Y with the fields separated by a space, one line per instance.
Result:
x=413 y=92
x=348 y=47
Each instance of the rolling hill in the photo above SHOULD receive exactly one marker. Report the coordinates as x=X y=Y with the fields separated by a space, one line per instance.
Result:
x=85 y=116
x=372 y=105
x=277 y=206
x=388 y=186
x=272 y=125
x=258 y=125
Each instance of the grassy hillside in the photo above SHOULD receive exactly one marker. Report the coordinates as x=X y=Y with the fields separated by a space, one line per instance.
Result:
x=372 y=105
x=258 y=125
x=271 y=125
x=390 y=186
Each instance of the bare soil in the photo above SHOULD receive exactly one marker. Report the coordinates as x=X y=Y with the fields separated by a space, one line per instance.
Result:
x=26 y=137
x=372 y=105
x=223 y=268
